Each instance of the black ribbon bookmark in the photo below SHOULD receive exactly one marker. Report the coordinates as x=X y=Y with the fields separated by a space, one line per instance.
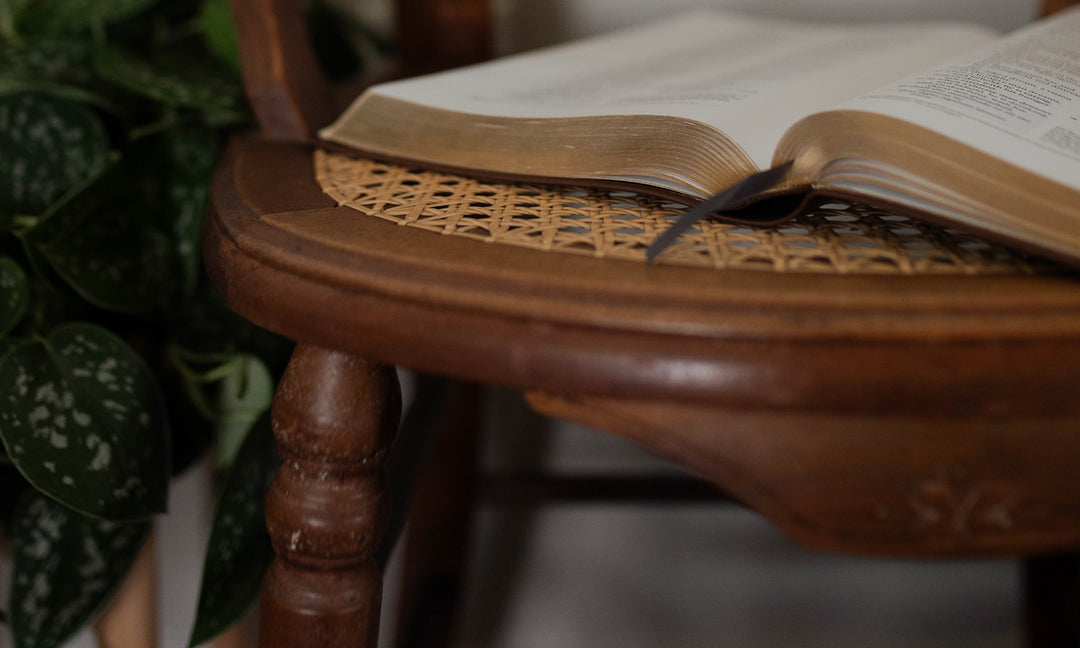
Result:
x=736 y=193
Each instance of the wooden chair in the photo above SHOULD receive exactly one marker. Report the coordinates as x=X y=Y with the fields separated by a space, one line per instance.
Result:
x=899 y=412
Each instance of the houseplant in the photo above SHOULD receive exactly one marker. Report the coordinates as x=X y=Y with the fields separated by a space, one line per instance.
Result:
x=119 y=365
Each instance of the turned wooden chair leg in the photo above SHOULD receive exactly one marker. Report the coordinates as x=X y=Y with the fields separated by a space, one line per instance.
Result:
x=334 y=417
x=1052 y=601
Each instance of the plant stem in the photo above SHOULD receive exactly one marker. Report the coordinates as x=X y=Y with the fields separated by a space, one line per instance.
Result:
x=24 y=222
x=167 y=121
x=7 y=24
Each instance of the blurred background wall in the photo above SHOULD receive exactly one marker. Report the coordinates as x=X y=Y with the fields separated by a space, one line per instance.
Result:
x=524 y=24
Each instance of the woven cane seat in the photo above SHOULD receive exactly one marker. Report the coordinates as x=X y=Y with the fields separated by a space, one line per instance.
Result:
x=833 y=238
x=846 y=341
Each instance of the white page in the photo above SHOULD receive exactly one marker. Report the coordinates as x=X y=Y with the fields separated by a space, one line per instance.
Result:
x=749 y=77
x=1017 y=99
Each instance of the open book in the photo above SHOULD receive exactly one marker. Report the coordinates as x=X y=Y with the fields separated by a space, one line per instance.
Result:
x=948 y=121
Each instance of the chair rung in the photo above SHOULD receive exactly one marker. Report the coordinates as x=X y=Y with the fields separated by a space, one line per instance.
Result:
x=533 y=490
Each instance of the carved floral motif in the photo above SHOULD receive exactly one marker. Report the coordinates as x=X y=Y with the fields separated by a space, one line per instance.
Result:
x=951 y=502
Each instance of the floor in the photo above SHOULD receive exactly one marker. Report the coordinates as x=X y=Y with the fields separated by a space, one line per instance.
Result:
x=697 y=578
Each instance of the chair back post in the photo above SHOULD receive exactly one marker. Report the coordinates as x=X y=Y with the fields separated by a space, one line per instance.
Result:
x=441 y=34
x=1048 y=7
x=282 y=78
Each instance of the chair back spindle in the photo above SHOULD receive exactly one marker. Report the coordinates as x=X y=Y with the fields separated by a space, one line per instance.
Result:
x=441 y=34
x=1050 y=6
x=284 y=84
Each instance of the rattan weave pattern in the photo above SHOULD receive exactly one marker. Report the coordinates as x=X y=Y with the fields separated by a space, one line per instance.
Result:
x=833 y=238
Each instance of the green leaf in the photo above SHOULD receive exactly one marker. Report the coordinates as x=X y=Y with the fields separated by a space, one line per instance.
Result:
x=193 y=152
x=113 y=260
x=49 y=145
x=172 y=78
x=65 y=16
x=243 y=396
x=9 y=14
x=58 y=66
x=66 y=567
x=65 y=214
x=219 y=30
x=74 y=206
x=83 y=420
x=14 y=294
x=239 y=550
x=99 y=240
x=9 y=85
x=48 y=58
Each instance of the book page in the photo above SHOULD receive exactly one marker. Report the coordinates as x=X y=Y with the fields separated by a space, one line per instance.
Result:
x=1017 y=99
x=749 y=77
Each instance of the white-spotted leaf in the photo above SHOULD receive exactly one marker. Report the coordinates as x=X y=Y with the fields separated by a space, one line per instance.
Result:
x=66 y=566
x=48 y=58
x=113 y=260
x=63 y=216
x=193 y=153
x=101 y=245
x=82 y=419
x=239 y=551
x=14 y=294
x=49 y=144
